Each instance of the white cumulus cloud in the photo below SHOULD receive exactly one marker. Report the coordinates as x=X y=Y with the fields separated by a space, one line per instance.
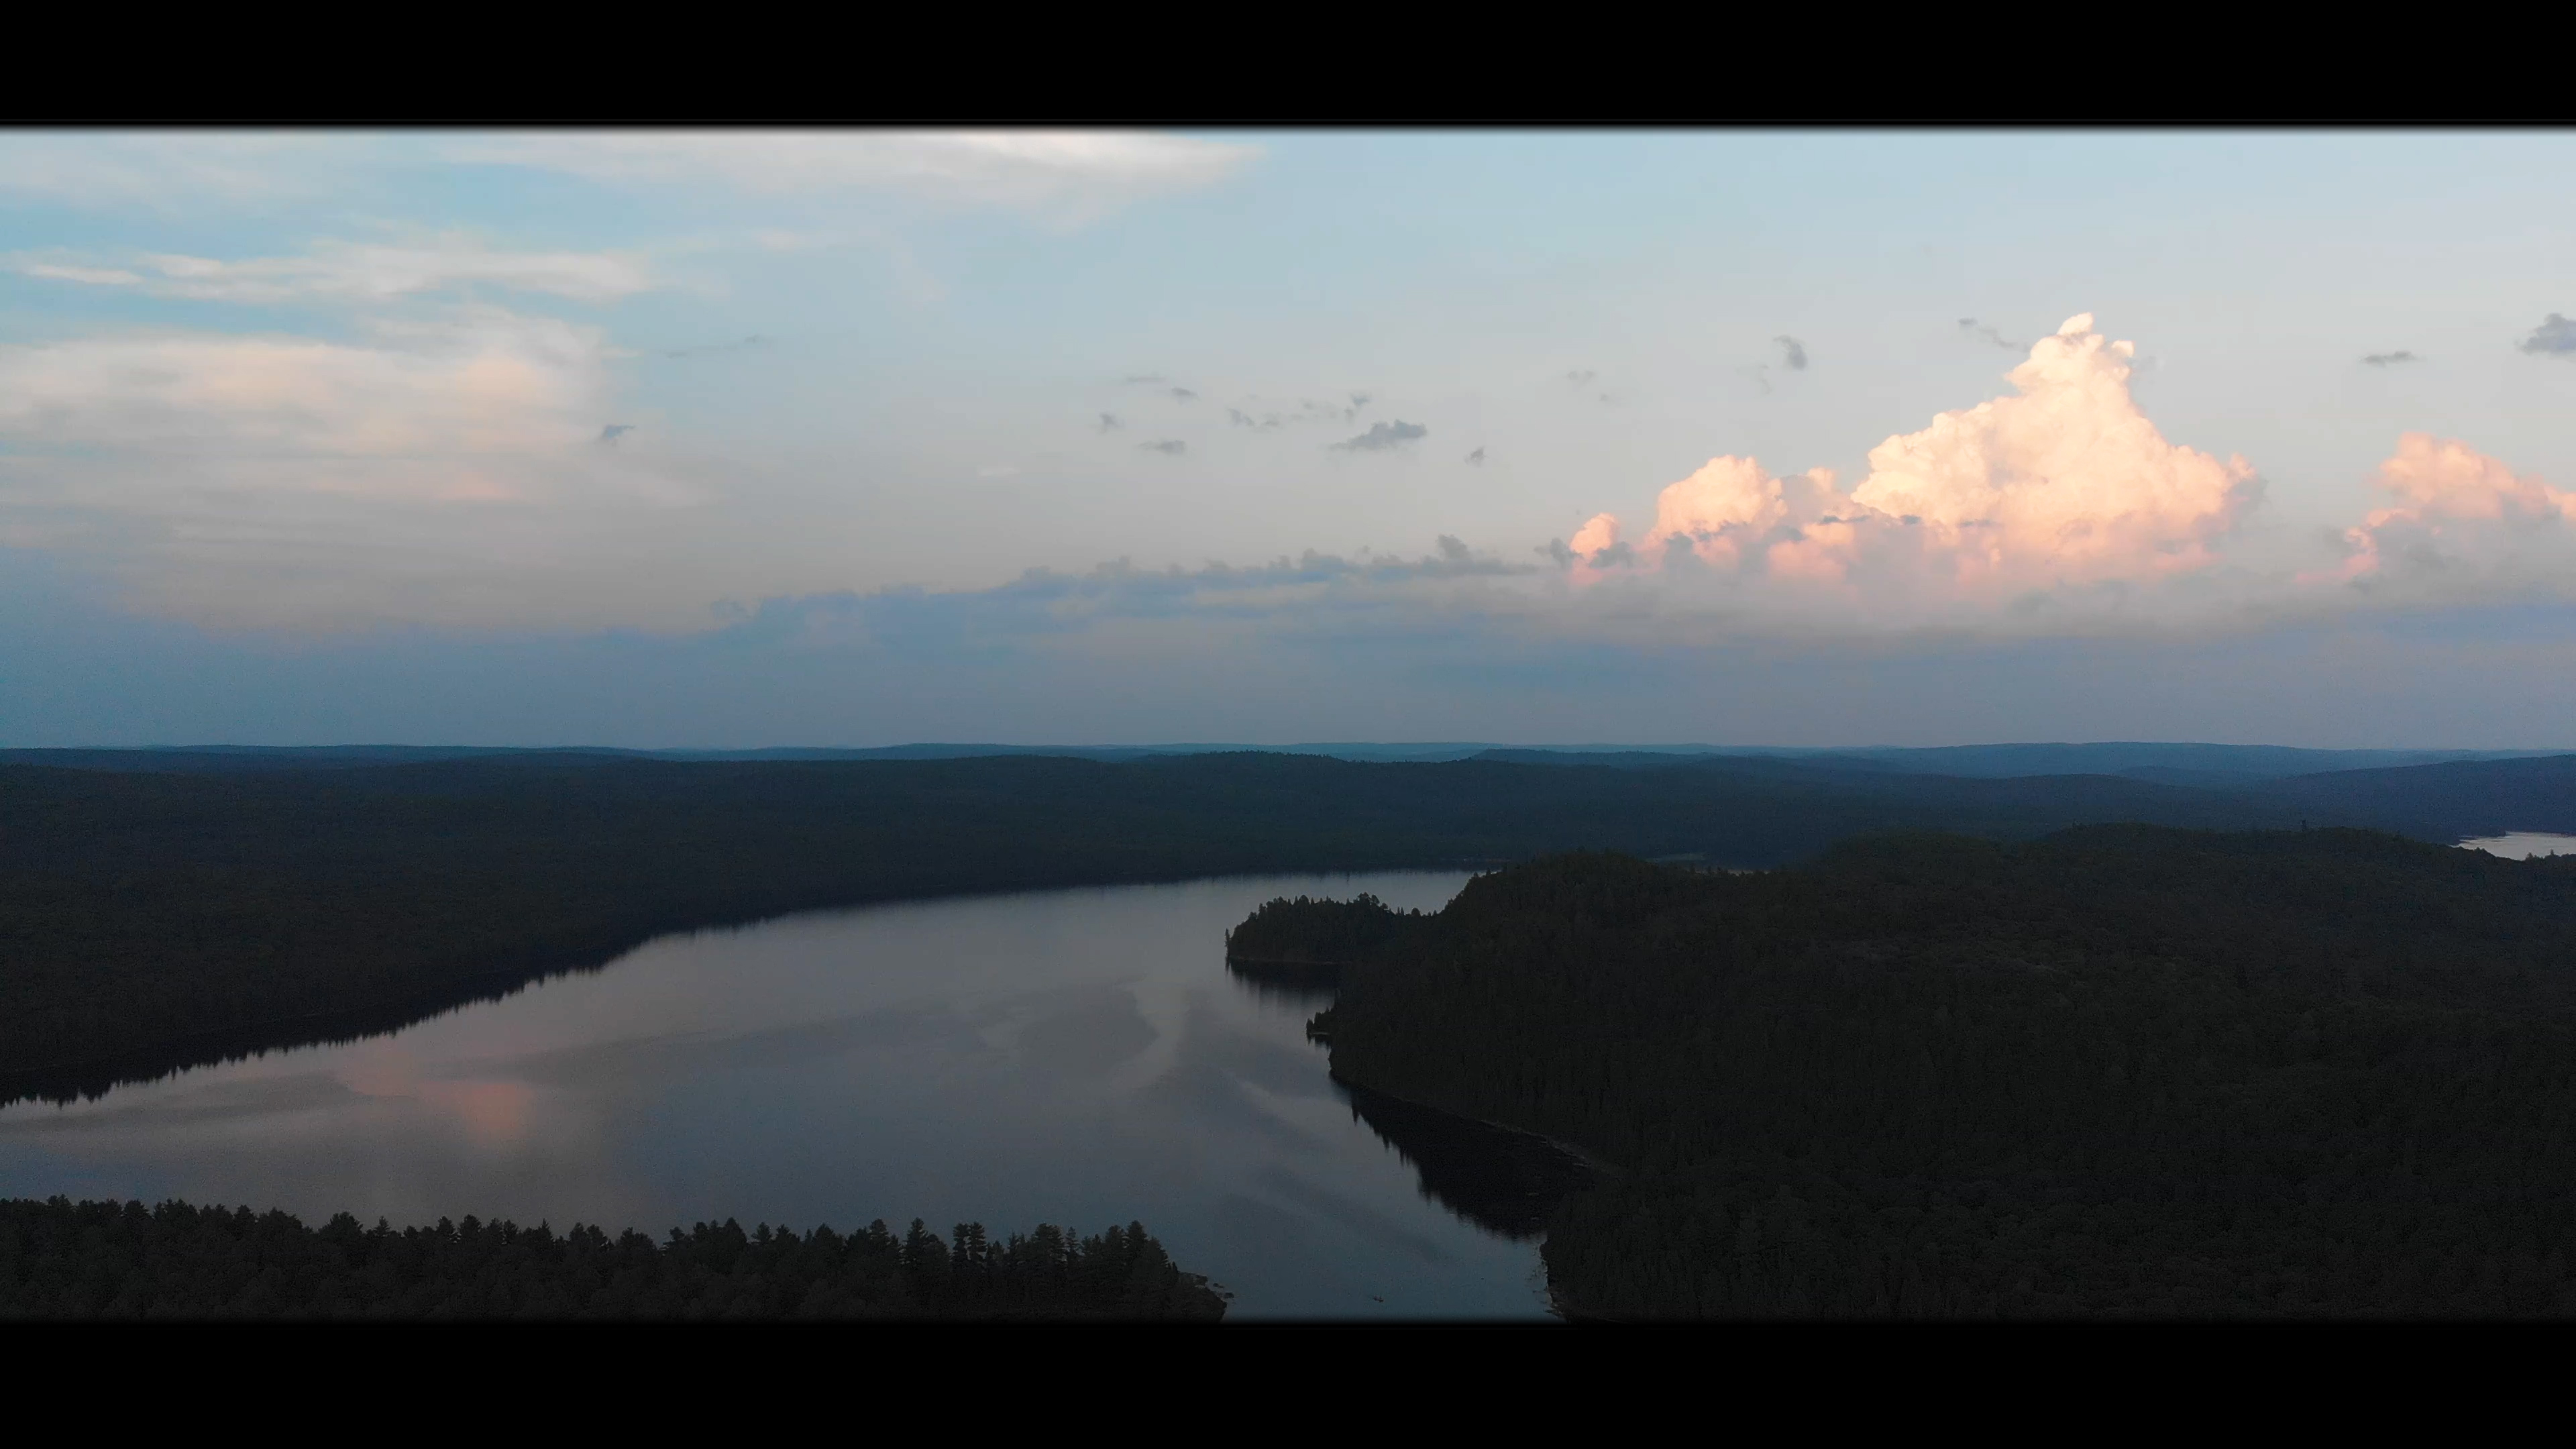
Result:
x=2065 y=484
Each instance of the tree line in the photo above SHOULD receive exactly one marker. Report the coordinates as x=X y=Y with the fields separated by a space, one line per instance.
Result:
x=122 y=1260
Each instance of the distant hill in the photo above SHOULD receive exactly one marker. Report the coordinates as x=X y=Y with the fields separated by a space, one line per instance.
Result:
x=2209 y=766
x=2450 y=801
x=2221 y=766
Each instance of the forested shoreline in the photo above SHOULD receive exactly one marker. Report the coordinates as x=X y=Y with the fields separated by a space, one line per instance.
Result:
x=154 y=916
x=61 y=1260
x=2120 y=1071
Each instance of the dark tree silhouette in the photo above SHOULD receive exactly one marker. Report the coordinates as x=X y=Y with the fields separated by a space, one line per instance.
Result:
x=66 y=1260
x=2121 y=1070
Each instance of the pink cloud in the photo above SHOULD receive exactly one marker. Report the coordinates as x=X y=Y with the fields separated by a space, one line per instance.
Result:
x=2455 y=506
x=1597 y=537
x=2066 y=482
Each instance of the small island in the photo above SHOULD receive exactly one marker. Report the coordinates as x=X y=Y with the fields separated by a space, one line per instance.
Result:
x=1304 y=941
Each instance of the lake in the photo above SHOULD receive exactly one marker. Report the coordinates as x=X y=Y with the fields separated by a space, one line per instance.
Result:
x=2523 y=844
x=1080 y=1057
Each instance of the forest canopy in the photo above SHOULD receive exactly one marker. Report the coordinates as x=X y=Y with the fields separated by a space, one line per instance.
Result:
x=2117 y=1071
x=65 y=1260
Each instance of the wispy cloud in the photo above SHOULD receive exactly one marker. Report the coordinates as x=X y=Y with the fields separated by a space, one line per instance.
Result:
x=360 y=272
x=2554 y=337
x=169 y=170
x=90 y=276
x=1988 y=335
x=267 y=477
x=1382 y=436
x=1169 y=447
x=1072 y=174
x=1307 y=410
x=2390 y=359
x=704 y=349
x=1793 y=352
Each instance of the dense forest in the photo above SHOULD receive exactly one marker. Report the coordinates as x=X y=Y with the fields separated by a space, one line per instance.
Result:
x=2117 y=1071
x=1306 y=932
x=159 y=909
x=66 y=1260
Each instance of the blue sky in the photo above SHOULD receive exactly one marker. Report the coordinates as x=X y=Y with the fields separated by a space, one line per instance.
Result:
x=850 y=438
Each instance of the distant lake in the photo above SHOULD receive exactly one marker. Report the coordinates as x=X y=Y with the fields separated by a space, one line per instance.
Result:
x=1079 y=1057
x=2523 y=844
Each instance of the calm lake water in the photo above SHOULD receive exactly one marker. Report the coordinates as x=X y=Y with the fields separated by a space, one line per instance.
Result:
x=2523 y=844
x=1080 y=1057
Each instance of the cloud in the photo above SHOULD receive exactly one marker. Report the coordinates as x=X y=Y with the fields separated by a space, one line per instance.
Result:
x=1581 y=377
x=1974 y=328
x=755 y=340
x=1182 y=394
x=165 y=171
x=1170 y=447
x=1109 y=423
x=1049 y=602
x=1792 y=352
x=2554 y=337
x=2461 y=522
x=1477 y=457
x=1595 y=546
x=2064 y=485
x=364 y=272
x=2390 y=359
x=271 y=477
x=1308 y=410
x=92 y=276
x=1296 y=650
x=1383 y=436
x=1145 y=379
x=1070 y=173
x=614 y=431
x=484 y=382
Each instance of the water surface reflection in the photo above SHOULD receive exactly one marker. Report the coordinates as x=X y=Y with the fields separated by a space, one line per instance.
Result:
x=2523 y=844
x=1072 y=1056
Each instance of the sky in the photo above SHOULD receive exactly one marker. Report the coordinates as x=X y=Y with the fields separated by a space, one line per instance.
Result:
x=749 y=438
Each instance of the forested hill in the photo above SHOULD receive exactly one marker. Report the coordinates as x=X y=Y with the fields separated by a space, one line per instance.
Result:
x=153 y=916
x=2121 y=1070
x=2447 y=801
